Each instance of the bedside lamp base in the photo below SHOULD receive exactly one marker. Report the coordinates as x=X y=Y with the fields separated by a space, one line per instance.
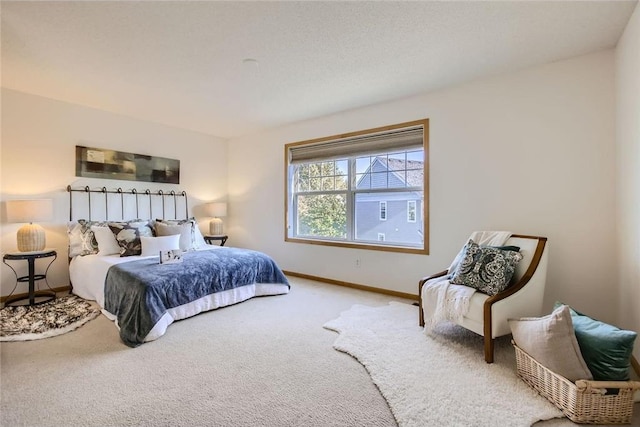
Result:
x=216 y=227
x=31 y=237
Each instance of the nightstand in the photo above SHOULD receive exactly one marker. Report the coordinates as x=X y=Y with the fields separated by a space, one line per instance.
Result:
x=32 y=277
x=222 y=238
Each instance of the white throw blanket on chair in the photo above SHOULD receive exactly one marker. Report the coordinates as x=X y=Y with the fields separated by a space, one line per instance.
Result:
x=442 y=300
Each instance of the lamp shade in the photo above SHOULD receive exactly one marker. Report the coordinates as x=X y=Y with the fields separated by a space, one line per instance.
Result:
x=35 y=210
x=217 y=209
x=31 y=237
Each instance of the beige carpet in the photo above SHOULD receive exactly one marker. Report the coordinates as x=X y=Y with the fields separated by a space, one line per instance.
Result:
x=265 y=362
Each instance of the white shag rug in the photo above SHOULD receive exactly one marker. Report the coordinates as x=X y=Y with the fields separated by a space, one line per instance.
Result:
x=440 y=380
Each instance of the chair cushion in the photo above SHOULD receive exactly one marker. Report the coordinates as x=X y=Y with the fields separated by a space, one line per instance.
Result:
x=487 y=269
x=551 y=341
x=606 y=349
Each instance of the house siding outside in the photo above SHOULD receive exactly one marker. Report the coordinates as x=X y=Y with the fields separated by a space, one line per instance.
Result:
x=396 y=228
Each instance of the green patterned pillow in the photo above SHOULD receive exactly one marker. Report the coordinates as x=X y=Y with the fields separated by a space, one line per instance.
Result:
x=128 y=235
x=487 y=269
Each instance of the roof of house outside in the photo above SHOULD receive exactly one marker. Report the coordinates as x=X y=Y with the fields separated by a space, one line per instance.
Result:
x=414 y=168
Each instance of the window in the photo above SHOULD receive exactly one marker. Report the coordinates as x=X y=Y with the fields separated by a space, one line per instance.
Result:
x=383 y=211
x=411 y=211
x=364 y=189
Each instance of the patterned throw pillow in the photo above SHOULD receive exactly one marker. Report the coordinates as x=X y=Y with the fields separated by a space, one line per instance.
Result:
x=185 y=231
x=196 y=239
x=81 y=238
x=487 y=269
x=128 y=235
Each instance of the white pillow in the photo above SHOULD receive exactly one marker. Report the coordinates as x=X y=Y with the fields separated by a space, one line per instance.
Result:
x=107 y=243
x=151 y=246
x=185 y=231
x=551 y=341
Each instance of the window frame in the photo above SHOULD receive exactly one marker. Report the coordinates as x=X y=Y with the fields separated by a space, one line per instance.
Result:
x=288 y=187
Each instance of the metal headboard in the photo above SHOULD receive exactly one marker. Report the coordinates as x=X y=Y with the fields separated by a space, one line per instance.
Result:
x=137 y=193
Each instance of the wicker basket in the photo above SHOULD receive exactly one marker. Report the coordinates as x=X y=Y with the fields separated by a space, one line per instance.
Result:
x=583 y=402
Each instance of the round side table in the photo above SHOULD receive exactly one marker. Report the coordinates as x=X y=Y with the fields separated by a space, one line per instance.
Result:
x=32 y=277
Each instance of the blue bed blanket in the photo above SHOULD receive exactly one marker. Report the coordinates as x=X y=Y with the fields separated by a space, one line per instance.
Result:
x=140 y=292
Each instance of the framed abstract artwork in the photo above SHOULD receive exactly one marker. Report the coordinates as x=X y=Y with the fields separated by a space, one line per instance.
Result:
x=109 y=164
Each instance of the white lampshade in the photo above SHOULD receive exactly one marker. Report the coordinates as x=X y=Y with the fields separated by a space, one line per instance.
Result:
x=36 y=210
x=217 y=209
x=31 y=237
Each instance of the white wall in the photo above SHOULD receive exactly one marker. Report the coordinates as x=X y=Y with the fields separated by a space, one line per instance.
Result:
x=39 y=136
x=532 y=152
x=628 y=173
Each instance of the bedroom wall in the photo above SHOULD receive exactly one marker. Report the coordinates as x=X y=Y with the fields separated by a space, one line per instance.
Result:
x=628 y=173
x=39 y=136
x=532 y=152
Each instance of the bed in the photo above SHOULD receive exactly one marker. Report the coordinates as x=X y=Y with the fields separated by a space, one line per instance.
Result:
x=143 y=296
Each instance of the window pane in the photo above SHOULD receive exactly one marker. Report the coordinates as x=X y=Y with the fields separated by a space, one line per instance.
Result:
x=302 y=177
x=327 y=183
x=342 y=167
x=315 y=184
x=397 y=161
x=328 y=168
x=341 y=182
x=322 y=215
x=314 y=169
x=362 y=164
x=416 y=156
x=363 y=181
x=396 y=229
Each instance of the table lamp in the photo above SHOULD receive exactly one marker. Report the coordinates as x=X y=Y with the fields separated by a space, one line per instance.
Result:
x=31 y=237
x=216 y=210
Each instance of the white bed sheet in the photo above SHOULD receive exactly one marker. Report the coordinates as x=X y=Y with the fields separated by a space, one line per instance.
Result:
x=88 y=274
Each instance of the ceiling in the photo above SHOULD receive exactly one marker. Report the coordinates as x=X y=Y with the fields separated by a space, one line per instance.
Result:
x=181 y=63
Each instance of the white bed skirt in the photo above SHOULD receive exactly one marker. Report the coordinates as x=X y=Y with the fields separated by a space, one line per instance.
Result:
x=208 y=303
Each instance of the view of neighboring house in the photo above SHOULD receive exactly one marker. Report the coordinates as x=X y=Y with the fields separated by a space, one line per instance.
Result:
x=394 y=215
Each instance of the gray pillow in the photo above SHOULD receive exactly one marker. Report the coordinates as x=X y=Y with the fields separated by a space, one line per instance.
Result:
x=487 y=269
x=552 y=342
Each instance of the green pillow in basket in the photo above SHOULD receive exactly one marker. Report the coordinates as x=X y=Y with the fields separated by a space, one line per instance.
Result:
x=605 y=348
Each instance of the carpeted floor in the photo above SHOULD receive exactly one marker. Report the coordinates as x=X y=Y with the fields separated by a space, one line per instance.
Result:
x=264 y=362
x=405 y=365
